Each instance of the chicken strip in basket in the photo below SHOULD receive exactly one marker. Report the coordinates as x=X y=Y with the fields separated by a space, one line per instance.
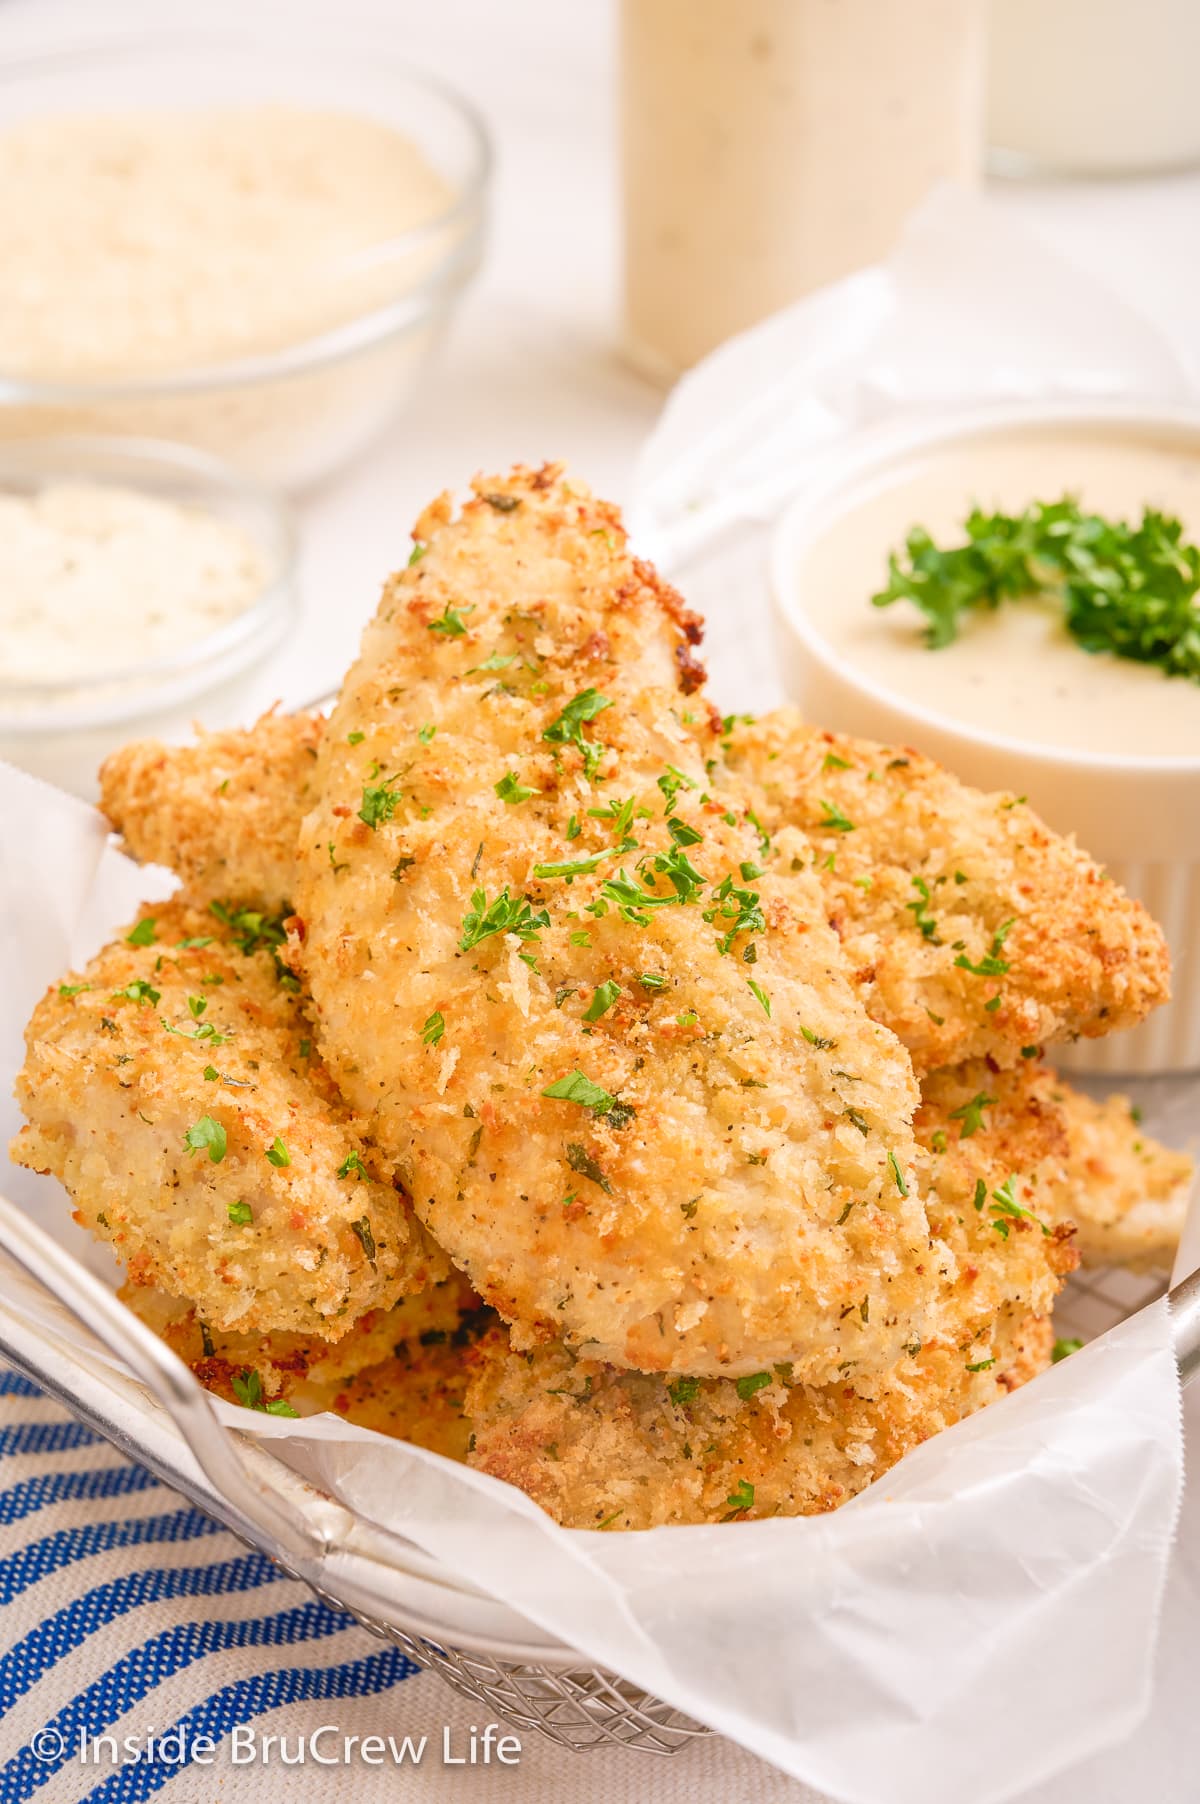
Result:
x=174 y=1087
x=601 y=1448
x=971 y=929
x=617 y=1061
x=401 y=1371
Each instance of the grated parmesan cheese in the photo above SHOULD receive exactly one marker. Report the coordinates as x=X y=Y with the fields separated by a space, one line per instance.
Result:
x=95 y=579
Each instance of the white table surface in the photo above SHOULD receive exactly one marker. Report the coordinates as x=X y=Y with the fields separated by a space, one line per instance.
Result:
x=532 y=370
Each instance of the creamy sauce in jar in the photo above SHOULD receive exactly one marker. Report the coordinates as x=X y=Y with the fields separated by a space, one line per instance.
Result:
x=1014 y=672
x=770 y=146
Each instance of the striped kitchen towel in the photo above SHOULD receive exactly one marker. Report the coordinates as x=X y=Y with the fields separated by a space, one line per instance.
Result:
x=146 y=1652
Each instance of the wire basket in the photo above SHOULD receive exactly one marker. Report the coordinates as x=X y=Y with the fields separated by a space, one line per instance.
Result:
x=485 y=1651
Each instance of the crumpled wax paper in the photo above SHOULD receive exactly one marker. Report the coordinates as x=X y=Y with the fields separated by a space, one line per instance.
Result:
x=1007 y=1575
x=970 y=310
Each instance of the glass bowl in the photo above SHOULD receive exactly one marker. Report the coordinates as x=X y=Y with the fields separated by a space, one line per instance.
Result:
x=284 y=417
x=63 y=730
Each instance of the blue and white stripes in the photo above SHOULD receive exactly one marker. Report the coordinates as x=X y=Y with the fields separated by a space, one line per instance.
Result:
x=124 y=1611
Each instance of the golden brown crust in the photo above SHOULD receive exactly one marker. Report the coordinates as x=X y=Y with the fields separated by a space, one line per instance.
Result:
x=223 y=812
x=401 y=1371
x=925 y=878
x=600 y=1447
x=183 y=1033
x=702 y=1223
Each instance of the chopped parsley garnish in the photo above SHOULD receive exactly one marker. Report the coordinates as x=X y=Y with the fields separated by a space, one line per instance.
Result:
x=248 y=1390
x=352 y=1163
x=211 y=1074
x=507 y=914
x=240 y=1214
x=452 y=625
x=426 y=733
x=682 y=834
x=510 y=789
x=1063 y=1349
x=1004 y=1208
x=982 y=1365
x=650 y=980
x=980 y=1197
x=672 y=782
x=1124 y=589
x=835 y=819
x=859 y=1120
x=73 y=989
x=434 y=1028
x=197 y=1006
x=572 y=867
x=740 y=907
x=831 y=761
x=920 y=909
x=894 y=1162
x=138 y=991
x=683 y=1390
x=971 y=1114
x=760 y=996
x=361 y=1229
x=278 y=1154
x=746 y=1387
x=822 y=1045
x=580 y=1160
x=379 y=803
x=573 y=827
x=751 y=871
x=206 y=1135
x=575 y=1087
x=250 y=928
x=499 y=660
x=567 y=729
x=740 y=1499
x=634 y=898
x=355 y=738
x=991 y=964
x=603 y=997
x=143 y=933
x=417 y=553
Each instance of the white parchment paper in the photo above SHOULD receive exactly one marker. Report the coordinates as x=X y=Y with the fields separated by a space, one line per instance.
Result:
x=883 y=1653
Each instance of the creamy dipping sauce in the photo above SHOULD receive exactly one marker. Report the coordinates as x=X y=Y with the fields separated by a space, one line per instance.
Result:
x=1015 y=672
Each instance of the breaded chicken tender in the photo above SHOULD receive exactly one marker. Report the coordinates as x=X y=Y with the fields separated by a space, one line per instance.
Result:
x=1130 y=1197
x=224 y=812
x=599 y=1447
x=1095 y=1168
x=619 y=1065
x=173 y=1088
x=299 y=1369
x=971 y=928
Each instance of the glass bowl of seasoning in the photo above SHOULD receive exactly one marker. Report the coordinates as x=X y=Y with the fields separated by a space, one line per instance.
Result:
x=135 y=577
x=252 y=254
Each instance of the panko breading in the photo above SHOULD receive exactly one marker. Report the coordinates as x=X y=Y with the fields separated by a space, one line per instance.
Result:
x=1094 y=1167
x=172 y=1087
x=224 y=812
x=418 y=1394
x=1130 y=1196
x=620 y=1068
x=302 y=1369
x=971 y=928
x=598 y=1447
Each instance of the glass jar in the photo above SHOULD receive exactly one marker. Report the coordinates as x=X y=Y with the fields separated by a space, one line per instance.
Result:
x=1093 y=87
x=771 y=146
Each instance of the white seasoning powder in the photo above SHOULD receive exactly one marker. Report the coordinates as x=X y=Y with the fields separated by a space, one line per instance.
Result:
x=144 y=242
x=95 y=579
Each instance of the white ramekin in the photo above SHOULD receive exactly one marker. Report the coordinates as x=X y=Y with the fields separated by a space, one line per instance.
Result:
x=1139 y=819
